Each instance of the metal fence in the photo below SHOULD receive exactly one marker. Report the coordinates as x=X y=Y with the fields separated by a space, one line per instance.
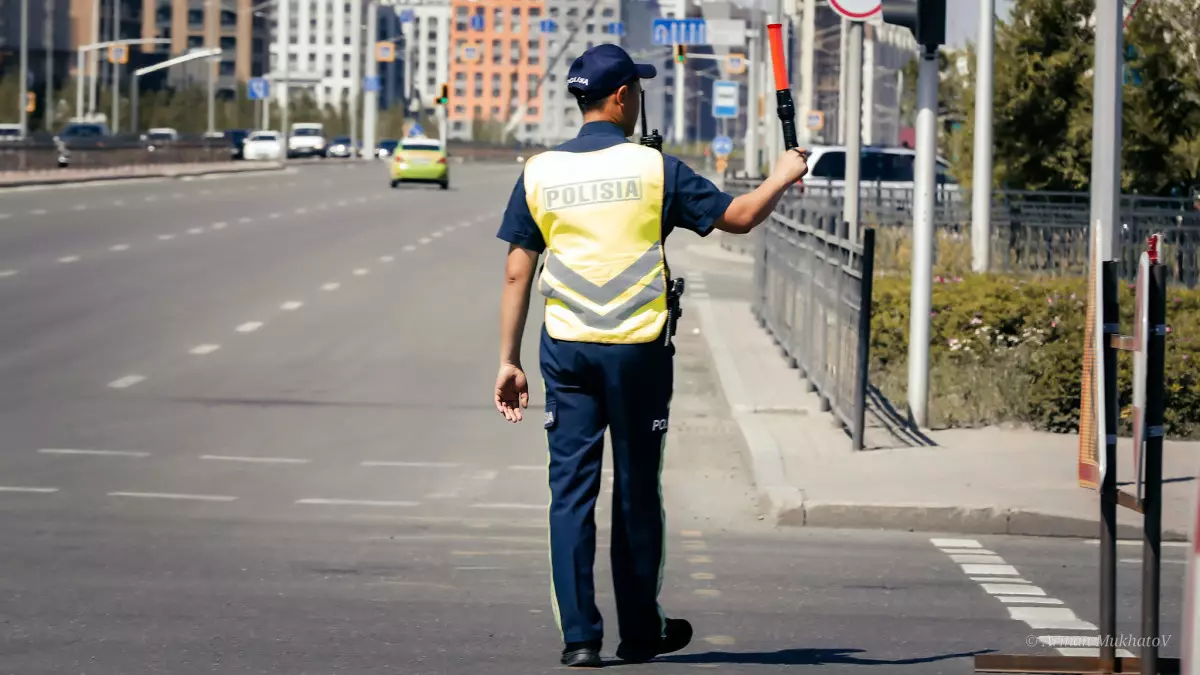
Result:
x=41 y=153
x=812 y=293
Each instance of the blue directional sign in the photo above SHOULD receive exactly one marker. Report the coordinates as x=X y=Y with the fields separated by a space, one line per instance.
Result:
x=548 y=26
x=258 y=88
x=678 y=32
x=722 y=146
x=476 y=22
x=371 y=83
x=616 y=28
x=725 y=97
x=407 y=16
x=416 y=130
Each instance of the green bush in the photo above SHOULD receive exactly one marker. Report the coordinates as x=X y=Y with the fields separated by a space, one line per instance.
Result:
x=1010 y=349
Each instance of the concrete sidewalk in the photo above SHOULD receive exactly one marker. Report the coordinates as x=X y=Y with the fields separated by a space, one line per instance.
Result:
x=69 y=175
x=1000 y=481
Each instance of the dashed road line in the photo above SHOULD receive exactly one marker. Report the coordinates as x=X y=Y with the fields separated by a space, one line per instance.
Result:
x=220 y=226
x=387 y=259
x=38 y=212
x=255 y=460
x=360 y=272
x=507 y=505
x=413 y=465
x=699 y=559
x=291 y=306
x=7 y=273
x=245 y=219
x=166 y=237
x=201 y=350
x=36 y=490
x=195 y=230
x=118 y=202
x=331 y=286
x=527 y=467
x=275 y=215
x=437 y=234
x=249 y=327
x=301 y=210
x=424 y=240
x=354 y=502
x=703 y=576
x=119 y=247
x=173 y=495
x=69 y=259
x=5 y=216
x=126 y=381
x=409 y=247
x=98 y=453
x=706 y=592
x=79 y=207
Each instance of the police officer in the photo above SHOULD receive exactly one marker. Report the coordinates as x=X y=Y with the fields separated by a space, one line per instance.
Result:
x=601 y=207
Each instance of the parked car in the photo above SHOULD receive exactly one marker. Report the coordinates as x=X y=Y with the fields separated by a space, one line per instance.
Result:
x=307 y=140
x=885 y=167
x=237 y=141
x=387 y=147
x=263 y=146
x=420 y=160
x=340 y=146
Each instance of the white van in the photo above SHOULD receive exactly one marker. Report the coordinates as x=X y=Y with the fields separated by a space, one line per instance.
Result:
x=307 y=139
x=886 y=167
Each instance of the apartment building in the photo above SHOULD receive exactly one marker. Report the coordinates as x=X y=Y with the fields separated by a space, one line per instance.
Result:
x=324 y=48
x=233 y=25
x=425 y=49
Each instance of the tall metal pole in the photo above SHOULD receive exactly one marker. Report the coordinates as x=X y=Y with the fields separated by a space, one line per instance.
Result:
x=133 y=104
x=371 y=98
x=1106 y=127
x=116 y=71
x=210 y=31
x=79 y=82
x=356 y=62
x=94 y=58
x=981 y=177
x=209 y=67
x=48 y=114
x=922 y=249
x=24 y=72
x=754 y=85
x=680 y=120
x=808 y=48
x=853 y=95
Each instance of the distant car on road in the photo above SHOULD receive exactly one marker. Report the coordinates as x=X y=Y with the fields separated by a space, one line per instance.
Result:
x=420 y=160
x=307 y=140
x=886 y=167
x=340 y=146
x=263 y=146
x=387 y=147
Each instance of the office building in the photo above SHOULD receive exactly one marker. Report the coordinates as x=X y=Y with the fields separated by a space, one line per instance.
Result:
x=324 y=39
x=424 y=53
x=234 y=26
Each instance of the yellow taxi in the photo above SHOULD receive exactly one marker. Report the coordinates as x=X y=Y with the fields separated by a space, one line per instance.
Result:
x=420 y=160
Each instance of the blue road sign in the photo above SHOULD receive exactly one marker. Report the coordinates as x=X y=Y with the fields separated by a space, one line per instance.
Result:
x=678 y=31
x=617 y=28
x=407 y=16
x=258 y=88
x=722 y=145
x=725 y=97
x=416 y=130
x=476 y=22
x=548 y=26
x=371 y=83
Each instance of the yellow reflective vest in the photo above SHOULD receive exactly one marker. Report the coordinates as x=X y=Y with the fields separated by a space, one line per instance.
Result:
x=600 y=214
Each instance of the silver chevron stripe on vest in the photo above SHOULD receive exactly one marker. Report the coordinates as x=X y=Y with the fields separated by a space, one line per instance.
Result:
x=602 y=295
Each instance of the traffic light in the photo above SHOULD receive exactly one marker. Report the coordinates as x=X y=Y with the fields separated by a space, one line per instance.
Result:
x=680 y=53
x=925 y=18
x=30 y=101
x=445 y=97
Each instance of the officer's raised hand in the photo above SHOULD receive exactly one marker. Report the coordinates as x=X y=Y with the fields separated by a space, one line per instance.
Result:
x=512 y=392
x=790 y=167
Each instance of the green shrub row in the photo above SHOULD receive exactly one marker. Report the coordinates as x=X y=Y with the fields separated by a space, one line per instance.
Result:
x=1010 y=349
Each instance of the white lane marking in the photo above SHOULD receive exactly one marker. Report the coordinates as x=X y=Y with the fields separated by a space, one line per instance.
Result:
x=1138 y=542
x=39 y=490
x=79 y=207
x=707 y=592
x=1078 y=645
x=703 y=576
x=1028 y=600
x=362 y=200
x=126 y=381
x=201 y=350
x=173 y=495
x=1138 y=561
x=360 y=272
x=195 y=230
x=422 y=465
x=967 y=551
x=480 y=218
x=477 y=569
x=409 y=247
x=1058 y=618
x=449 y=228
x=332 y=286
x=166 y=237
x=485 y=474
x=38 y=212
x=119 y=247
x=69 y=259
x=342 y=202
x=956 y=543
x=151 y=198
x=1001 y=580
x=177 y=195
x=1012 y=589
x=99 y=453
x=436 y=234
x=5 y=216
x=354 y=502
x=220 y=225
x=465 y=223
x=249 y=327
x=505 y=505
x=118 y=202
x=386 y=259
x=991 y=569
x=291 y=305
x=206 y=192
x=255 y=460
x=978 y=559
x=526 y=467
x=301 y=210
x=8 y=273
x=424 y=240
x=275 y=215
x=245 y=219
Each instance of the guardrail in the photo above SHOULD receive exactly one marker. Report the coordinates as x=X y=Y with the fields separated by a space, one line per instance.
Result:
x=108 y=152
x=812 y=293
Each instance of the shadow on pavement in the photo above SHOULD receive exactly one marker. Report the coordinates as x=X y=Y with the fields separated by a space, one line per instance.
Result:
x=808 y=657
x=896 y=424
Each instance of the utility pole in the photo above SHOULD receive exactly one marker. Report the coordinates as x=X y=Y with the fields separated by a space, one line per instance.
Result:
x=22 y=91
x=356 y=61
x=808 y=48
x=284 y=30
x=1106 y=129
x=47 y=106
x=116 y=70
x=853 y=125
x=680 y=121
x=371 y=98
x=754 y=83
x=981 y=177
x=211 y=12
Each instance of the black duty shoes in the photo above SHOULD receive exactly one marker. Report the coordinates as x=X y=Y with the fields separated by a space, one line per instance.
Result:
x=676 y=636
x=582 y=655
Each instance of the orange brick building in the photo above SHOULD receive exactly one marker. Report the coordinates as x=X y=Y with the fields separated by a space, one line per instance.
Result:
x=493 y=70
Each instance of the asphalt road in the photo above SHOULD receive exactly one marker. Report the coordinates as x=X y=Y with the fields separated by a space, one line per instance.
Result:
x=248 y=429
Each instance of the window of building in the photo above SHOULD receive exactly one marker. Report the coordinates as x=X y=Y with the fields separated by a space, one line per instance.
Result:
x=497 y=56
x=458 y=126
x=515 y=20
x=535 y=12
x=329 y=72
x=478 y=112
x=228 y=44
x=460 y=92
x=460 y=25
x=498 y=20
x=430 y=83
x=495 y=79
x=458 y=109
x=532 y=111
x=195 y=41
x=346 y=40
x=461 y=11
x=195 y=18
x=572 y=11
x=608 y=12
x=553 y=11
x=496 y=112
x=460 y=76
x=228 y=18
x=346 y=74
x=591 y=28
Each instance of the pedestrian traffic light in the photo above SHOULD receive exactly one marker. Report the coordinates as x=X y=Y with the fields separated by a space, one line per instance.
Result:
x=680 y=53
x=30 y=101
x=445 y=97
x=925 y=18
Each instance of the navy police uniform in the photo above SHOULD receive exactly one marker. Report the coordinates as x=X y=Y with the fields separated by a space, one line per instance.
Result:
x=600 y=208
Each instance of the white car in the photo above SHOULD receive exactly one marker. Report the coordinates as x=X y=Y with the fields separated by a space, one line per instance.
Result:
x=307 y=140
x=263 y=146
x=884 y=167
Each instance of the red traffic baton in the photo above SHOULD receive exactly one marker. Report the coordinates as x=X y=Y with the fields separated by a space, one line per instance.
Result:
x=783 y=93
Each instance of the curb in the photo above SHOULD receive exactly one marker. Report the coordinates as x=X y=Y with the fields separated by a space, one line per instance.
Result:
x=784 y=505
x=140 y=176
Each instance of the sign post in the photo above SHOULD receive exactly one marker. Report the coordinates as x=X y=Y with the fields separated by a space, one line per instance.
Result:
x=725 y=95
x=258 y=88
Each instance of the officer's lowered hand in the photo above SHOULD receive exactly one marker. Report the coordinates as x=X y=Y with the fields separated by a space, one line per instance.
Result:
x=790 y=167
x=512 y=392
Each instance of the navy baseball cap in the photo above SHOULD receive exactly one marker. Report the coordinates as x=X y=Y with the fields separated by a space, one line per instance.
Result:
x=602 y=70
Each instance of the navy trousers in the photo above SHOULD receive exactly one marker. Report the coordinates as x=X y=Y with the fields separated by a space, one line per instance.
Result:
x=626 y=389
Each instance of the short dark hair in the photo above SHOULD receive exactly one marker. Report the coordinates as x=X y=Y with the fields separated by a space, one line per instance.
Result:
x=587 y=105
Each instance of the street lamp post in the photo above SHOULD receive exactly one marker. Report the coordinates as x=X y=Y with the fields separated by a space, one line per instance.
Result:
x=134 y=88
x=24 y=72
x=96 y=46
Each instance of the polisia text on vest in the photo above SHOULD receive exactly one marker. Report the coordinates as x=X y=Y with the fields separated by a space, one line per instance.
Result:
x=601 y=191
